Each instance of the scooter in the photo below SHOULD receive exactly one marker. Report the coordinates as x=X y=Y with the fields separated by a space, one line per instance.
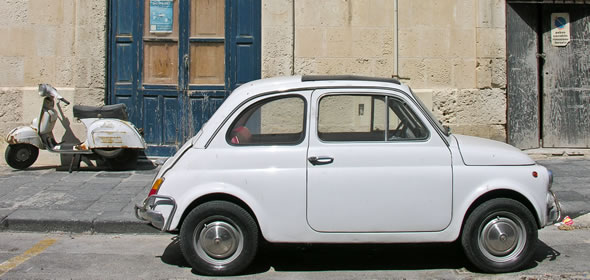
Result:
x=108 y=135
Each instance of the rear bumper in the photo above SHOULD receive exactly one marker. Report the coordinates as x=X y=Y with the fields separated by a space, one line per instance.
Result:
x=147 y=211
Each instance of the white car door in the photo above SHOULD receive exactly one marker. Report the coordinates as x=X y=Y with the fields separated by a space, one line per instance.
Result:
x=375 y=164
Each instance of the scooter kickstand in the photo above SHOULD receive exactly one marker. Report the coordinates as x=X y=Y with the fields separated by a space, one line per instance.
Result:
x=75 y=159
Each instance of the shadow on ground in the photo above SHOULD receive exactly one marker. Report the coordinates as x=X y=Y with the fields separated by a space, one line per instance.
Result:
x=328 y=257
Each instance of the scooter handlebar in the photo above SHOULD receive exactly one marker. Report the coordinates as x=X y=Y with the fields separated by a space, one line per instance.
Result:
x=64 y=101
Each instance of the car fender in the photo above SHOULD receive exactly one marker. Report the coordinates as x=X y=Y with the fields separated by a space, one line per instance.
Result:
x=213 y=188
x=468 y=192
x=24 y=135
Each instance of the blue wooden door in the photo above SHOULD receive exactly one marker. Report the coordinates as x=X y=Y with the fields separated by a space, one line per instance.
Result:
x=173 y=62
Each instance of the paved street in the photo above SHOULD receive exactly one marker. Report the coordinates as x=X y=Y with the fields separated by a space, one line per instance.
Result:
x=561 y=254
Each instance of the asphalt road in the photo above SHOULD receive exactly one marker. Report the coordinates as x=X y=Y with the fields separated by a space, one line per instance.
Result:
x=560 y=254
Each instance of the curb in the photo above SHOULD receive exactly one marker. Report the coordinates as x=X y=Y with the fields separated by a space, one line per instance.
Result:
x=73 y=221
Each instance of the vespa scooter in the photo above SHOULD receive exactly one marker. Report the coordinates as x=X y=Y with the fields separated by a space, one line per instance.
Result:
x=108 y=135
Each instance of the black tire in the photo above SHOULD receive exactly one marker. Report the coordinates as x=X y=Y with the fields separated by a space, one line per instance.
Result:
x=499 y=236
x=125 y=160
x=21 y=156
x=219 y=238
x=109 y=153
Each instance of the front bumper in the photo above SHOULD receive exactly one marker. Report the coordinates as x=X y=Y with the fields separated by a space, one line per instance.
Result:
x=553 y=209
x=147 y=211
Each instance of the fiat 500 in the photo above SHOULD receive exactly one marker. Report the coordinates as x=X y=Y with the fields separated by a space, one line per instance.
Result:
x=344 y=159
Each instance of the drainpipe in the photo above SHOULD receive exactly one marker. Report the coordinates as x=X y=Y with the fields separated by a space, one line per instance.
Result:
x=395 y=40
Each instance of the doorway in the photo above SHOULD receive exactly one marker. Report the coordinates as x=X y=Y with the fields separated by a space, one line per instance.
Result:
x=548 y=75
x=173 y=62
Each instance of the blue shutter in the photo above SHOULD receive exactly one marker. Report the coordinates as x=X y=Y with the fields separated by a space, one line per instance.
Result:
x=123 y=55
x=244 y=42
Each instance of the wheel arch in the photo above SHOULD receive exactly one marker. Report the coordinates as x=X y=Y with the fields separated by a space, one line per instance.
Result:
x=501 y=193
x=221 y=197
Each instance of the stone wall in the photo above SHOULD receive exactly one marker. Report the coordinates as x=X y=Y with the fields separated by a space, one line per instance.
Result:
x=60 y=42
x=452 y=52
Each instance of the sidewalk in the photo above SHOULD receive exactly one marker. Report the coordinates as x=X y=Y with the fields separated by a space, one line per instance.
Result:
x=101 y=201
x=90 y=200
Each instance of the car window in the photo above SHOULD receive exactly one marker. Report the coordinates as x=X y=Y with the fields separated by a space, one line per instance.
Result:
x=350 y=117
x=274 y=121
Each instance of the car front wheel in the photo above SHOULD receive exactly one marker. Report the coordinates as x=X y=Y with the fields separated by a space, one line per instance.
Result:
x=219 y=238
x=500 y=236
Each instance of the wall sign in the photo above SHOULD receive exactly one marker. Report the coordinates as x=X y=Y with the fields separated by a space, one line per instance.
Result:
x=161 y=16
x=560 y=29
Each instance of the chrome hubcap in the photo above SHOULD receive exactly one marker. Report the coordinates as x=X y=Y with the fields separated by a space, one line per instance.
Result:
x=218 y=242
x=502 y=238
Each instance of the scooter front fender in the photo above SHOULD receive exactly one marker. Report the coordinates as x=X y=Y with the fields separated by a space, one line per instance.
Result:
x=112 y=133
x=24 y=135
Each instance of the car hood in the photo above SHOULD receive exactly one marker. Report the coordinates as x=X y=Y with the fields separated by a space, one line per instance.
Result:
x=480 y=151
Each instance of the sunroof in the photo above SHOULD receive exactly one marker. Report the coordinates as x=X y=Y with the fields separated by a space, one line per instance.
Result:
x=311 y=78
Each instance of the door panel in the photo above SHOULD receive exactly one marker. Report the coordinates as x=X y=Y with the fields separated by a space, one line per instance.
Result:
x=566 y=81
x=374 y=184
x=523 y=114
x=172 y=82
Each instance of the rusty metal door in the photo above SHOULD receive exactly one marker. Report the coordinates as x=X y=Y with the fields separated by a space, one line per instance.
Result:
x=566 y=77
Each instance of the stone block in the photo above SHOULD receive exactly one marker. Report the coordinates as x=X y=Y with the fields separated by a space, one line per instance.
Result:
x=12 y=71
x=383 y=67
x=64 y=76
x=333 y=12
x=409 y=43
x=277 y=12
x=433 y=13
x=339 y=42
x=491 y=43
x=309 y=41
x=381 y=13
x=91 y=13
x=438 y=72
x=414 y=69
x=17 y=41
x=462 y=43
x=494 y=132
x=64 y=41
x=39 y=70
x=46 y=40
x=360 y=13
x=10 y=109
x=465 y=13
x=13 y=12
x=491 y=14
x=434 y=42
x=464 y=73
x=484 y=73
x=498 y=73
x=46 y=12
x=307 y=13
x=444 y=103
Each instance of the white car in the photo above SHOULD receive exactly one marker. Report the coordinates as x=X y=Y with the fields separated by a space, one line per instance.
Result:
x=345 y=159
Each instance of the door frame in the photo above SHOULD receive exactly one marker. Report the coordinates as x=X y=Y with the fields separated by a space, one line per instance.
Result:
x=196 y=103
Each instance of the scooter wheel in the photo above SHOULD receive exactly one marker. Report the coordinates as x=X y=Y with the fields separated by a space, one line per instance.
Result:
x=21 y=156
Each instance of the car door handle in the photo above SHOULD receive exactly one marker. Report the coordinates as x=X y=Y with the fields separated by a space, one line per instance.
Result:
x=320 y=160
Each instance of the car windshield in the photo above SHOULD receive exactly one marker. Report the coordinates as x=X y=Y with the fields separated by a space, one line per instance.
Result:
x=442 y=128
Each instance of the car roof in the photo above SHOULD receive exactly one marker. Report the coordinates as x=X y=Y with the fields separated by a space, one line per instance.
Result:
x=289 y=83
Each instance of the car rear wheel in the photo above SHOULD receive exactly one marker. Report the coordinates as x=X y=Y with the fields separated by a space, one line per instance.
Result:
x=500 y=236
x=219 y=238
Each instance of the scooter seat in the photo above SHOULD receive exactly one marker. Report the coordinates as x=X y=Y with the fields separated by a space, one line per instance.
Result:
x=116 y=111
